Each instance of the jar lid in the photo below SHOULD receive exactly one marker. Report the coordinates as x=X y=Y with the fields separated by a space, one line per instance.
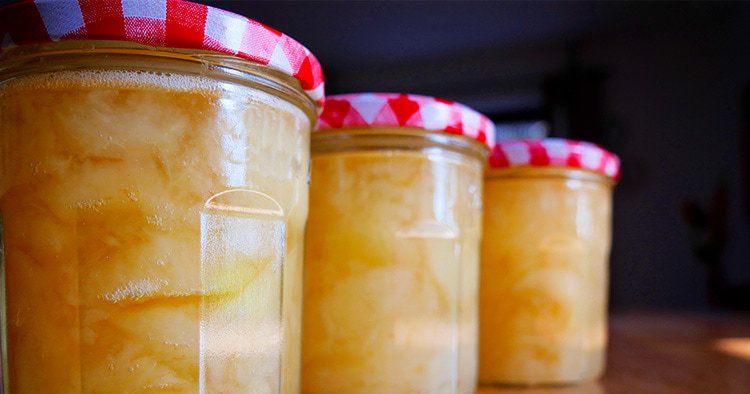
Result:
x=406 y=110
x=161 y=23
x=555 y=152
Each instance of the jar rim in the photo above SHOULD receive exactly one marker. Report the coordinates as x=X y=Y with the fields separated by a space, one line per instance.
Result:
x=547 y=172
x=128 y=56
x=176 y=24
x=394 y=139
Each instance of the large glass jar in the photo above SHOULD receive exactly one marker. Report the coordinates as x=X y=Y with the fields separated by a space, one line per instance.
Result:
x=545 y=252
x=153 y=206
x=391 y=259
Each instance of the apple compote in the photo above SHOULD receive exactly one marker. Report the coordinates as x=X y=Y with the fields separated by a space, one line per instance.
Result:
x=545 y=252
x=391 y=259
x=153 y=212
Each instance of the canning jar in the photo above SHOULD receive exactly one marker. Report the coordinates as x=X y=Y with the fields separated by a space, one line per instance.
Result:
x=391 y=255
x=154 y=159
x=545 y=251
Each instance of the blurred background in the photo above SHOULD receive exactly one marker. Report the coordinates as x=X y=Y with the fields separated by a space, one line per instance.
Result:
x=666 y=86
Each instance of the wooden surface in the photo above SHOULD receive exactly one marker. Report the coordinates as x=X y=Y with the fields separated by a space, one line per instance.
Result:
x=669 y=353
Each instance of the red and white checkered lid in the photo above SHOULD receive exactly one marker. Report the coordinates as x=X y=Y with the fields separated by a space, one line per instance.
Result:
x=555 y=152
x=161 y=23
x=405 y=110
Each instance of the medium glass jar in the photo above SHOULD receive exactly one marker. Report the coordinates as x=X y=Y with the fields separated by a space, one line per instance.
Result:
x=391 y=258
x=153 y=203
x=545 y=252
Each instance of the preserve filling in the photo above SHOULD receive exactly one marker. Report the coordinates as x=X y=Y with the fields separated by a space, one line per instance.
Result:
x=543 y=297
x=387 y=236
x=468 y=319
x=149 y=221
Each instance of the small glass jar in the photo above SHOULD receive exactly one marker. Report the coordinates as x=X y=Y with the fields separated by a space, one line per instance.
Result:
x=153 y=201
x=392 y=246
x=545 y=252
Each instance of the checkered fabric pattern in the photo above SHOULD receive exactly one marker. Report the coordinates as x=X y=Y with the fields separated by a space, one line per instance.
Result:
x=161 y=23
x=405 y=110
x=555 y=152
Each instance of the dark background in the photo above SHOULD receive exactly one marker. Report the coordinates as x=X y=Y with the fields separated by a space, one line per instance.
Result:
x=663 y=85
x=660 y=84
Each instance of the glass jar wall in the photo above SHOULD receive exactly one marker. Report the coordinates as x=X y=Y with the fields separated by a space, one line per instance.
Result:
x=545 y=251
x=391 y=260
x=153 y=207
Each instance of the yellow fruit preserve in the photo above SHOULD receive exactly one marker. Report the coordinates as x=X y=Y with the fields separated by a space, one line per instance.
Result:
x=391 y=259
x=545 y=251
x=152 y=220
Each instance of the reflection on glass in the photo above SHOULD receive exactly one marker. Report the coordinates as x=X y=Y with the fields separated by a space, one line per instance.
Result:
x=242 y=250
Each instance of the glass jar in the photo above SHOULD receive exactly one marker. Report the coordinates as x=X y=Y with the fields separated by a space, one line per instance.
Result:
x=153 y=206
x=545 y=251
x=391 y=258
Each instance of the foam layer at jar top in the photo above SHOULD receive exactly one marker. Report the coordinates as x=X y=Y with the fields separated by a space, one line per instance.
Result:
x=133 y=79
